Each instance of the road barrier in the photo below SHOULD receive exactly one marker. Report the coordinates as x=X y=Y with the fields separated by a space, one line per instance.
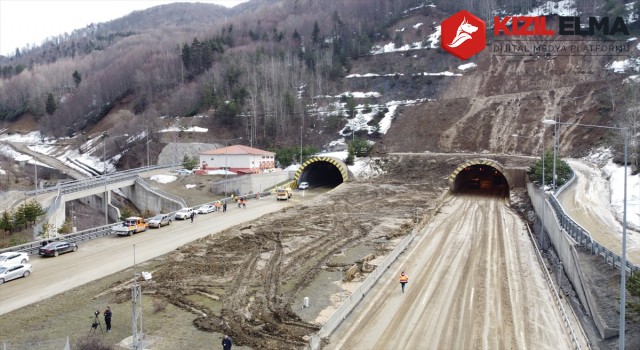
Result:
x=582 y=236
x=567 y=322
x=93 y=181
x=354 y=299
x=32 y=248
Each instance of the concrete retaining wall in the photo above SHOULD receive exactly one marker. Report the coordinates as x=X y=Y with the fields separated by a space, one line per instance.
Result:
x=566 y=248
x=252 y=183
x=147 y=199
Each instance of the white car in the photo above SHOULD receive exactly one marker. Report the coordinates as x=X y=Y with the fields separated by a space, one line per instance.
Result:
x=205 y=209
x=13 y=258
x=185 y=172
x=303 y=185
x=10 y=272
x=184 y=213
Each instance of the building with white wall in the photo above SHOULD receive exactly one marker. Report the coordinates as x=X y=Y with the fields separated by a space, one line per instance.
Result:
x=238 y=159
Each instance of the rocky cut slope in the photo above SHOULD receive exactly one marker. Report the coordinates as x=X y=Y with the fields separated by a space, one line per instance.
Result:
x=497 y=106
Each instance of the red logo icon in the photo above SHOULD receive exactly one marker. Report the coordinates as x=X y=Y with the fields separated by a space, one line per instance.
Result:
x=463 y=35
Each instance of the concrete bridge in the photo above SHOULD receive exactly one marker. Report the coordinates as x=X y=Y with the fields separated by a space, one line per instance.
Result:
x=96 y=191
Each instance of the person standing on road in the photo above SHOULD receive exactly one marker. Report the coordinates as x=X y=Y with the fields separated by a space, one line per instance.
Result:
x=193 y=214
x=403 y=280
x=226 y=342
x=224 y=206
x=107 y=318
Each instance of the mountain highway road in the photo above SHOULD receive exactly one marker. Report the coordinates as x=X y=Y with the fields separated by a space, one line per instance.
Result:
x=474 y=283
x=587 y=202
x=102 y=257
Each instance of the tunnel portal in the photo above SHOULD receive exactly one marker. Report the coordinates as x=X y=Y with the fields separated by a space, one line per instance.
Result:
x=322 y=172
x=479 y=177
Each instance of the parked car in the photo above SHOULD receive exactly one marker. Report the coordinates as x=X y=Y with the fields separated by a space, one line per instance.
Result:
x=183 y=213
x=205 y=209
x=185 y=172
x=159 y=220
x=303 y=185
x=131 y=226
x=57 y=248
x=12 y=258
x=10 y=272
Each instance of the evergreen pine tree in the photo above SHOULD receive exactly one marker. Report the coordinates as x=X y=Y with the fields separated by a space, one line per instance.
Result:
x=77 y=78
x=51 y=104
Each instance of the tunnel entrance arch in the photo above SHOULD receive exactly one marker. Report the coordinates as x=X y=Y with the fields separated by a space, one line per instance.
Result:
x=483 y=176
x=322 y=171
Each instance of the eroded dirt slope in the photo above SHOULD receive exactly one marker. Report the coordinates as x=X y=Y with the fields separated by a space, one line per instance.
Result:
x=504 y=96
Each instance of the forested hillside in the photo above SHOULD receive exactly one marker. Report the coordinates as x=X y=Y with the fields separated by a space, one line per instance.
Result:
x=257 y=70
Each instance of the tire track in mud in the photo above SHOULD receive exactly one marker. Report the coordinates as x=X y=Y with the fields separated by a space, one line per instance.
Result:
x=259 y=270
x=474 y=284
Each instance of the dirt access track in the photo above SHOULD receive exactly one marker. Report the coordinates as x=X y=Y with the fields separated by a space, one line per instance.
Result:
x=249 y=281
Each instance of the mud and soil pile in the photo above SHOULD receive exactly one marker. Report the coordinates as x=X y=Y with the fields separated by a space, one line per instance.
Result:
x=244 y=281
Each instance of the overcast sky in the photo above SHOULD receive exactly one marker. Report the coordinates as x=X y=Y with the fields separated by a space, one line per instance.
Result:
x=25 y=22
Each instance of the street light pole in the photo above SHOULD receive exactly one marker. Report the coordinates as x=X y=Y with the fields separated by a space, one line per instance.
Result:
x=542 y=201
x=104 y=173
x=226 y=162
x=35 y=164
x=300 y=145
x=555 y=147
x=146 y=134
x=104 y=176
x=623 y=257
x=226 y=167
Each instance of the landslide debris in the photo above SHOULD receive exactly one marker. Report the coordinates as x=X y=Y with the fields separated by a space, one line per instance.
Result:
x=244 y=281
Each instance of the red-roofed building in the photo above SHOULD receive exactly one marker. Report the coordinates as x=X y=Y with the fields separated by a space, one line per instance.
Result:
x=237 y=158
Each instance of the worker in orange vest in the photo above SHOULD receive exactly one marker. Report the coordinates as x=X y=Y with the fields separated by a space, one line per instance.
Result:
x=403 y=280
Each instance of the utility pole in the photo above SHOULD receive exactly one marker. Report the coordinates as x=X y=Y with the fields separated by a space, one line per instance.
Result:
x=35 y=164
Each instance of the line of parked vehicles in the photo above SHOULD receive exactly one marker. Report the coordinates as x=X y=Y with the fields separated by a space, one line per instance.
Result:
x=16 y=264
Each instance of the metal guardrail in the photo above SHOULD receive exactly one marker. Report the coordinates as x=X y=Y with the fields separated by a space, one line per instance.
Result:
x=582 y=236
x=95 y=180
x=92 y=233
x=80 y=236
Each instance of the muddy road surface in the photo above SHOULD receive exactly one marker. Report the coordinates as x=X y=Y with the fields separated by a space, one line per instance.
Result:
x=474 y=283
